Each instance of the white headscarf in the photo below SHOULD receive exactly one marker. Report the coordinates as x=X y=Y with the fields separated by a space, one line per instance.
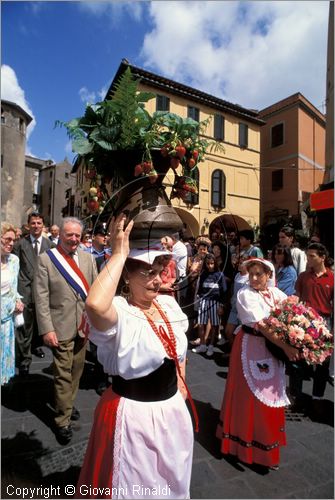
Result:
x=266 y=263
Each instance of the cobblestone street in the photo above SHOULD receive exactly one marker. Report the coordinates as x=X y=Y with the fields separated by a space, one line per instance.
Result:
x=31 y=456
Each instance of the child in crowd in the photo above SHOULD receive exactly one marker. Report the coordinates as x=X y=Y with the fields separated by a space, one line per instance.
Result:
x=240 y=280
x=211 y=291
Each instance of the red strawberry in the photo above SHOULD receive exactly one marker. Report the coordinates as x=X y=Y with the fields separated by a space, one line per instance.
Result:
x=191 y=162
x=147 y=167
x=138 y=170
x=180 y=150
x=92 y=205
x=195 y=154
x=174 y=162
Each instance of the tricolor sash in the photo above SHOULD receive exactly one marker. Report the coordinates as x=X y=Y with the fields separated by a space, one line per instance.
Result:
x=69 y=270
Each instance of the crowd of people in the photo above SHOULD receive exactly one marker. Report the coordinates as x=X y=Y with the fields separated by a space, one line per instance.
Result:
x=88 y=293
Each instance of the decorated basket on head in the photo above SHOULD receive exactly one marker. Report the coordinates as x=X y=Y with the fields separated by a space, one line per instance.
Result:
x=126 y=153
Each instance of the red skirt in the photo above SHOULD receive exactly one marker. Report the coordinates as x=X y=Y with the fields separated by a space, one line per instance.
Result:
x=248 y=428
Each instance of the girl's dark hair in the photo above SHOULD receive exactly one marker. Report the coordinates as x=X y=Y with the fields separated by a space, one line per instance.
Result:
x=210 y=256
x=286 y=252
x=221 y=246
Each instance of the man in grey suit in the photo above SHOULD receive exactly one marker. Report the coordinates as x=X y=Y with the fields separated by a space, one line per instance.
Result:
x=63 y=277
x=27 y=249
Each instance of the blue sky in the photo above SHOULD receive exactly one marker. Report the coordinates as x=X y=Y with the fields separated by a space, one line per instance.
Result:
x=57 y=56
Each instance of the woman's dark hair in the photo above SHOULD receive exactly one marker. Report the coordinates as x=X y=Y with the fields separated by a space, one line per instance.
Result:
x=285 y=250
x=288 y=231
x=210 y=256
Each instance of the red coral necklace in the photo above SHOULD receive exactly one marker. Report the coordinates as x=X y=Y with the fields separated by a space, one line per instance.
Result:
x=268 y=297
x=168 y=340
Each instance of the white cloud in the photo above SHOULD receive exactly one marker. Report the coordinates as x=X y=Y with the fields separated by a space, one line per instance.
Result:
x=11 y=91
x=114 y=9
x=252 y=53
x=91 y=97
x=86 y=96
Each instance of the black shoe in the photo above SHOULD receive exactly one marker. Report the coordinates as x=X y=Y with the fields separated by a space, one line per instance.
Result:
x=38 y=352
x=64 y=434
x=75 y=415
x=24 y=371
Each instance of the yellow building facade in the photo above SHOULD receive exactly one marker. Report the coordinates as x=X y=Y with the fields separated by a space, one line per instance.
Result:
x=229 y=181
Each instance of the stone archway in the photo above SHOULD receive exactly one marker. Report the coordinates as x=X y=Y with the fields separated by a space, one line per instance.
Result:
x=191 y=224
x=227 y=223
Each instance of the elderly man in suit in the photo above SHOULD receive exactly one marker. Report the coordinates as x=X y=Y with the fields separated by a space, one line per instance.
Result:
x=27 y=249
x=63 y=277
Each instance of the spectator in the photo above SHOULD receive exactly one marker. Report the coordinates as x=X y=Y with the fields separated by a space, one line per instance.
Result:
x=27 y=249
x=10 y=302
x=99 y=248
x=286 y=275
x=286 y=238
x=211 y=292
x=247 y=249
x=169 y=272
x=86 y=239
x=54 y=234
x=316 y=288
x=63 y=277
x=233 y=321
x=179 y=254
x=18 y=233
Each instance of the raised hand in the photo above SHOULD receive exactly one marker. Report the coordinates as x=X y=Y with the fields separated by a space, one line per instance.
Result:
x=119 y=235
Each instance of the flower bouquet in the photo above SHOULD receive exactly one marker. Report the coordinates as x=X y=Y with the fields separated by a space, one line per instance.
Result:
x=303 y=328
x=118 y=140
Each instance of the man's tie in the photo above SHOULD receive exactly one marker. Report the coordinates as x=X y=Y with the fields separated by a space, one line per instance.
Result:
x=35 y=246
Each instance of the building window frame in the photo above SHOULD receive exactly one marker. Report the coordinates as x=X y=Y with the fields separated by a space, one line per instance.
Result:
x=277 y=135
x=277 y=179
x=219 y=127
x=162 y=102
x=243 y=135
x=218 y=191
x=194 y=113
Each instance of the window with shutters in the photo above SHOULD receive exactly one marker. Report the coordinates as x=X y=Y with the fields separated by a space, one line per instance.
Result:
x=193 y=113
x=218 y=189
x=162 y=103
x=243 y=135
x=218 y=127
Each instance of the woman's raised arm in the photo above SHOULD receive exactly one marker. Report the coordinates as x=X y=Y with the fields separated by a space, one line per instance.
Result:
x=99 y=307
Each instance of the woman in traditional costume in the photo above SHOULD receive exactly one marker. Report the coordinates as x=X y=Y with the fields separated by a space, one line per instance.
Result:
x=141 y=443
x=252 y=419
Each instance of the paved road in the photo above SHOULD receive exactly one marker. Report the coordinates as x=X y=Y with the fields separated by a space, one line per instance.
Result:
x=31 y=456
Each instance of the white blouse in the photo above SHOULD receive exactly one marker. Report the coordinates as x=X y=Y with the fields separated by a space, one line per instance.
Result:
x=252 y=307
x=131 y=348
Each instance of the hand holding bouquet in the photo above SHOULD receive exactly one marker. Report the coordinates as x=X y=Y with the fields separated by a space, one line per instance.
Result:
x=303 y=328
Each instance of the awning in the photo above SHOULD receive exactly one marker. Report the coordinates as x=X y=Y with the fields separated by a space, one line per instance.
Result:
x=322 y=200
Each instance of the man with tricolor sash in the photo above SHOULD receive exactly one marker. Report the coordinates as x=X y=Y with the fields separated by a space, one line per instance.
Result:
x=63 y=277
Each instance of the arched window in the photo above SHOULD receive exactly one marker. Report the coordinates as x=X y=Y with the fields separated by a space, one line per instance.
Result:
x=218 y=189
x=193 y=198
